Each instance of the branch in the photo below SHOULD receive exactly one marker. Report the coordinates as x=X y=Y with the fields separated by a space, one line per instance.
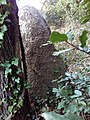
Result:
x=78 y=48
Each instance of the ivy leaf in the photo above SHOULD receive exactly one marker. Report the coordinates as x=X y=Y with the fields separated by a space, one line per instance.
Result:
x=28 y=86
x=1 y=36
x=53 y=116
x=67 y=74
x=61 y=104
x=82 y=103
x=55 y=90
x=15 y=61
x=15 y=92
x=4 y=29
x=83 y=38
x=20 y=103
x=1 y=21
x=6 y=64
x=10 y=108
x=17 y=80
x=78 y=92
x=8 y=70
x=56 y=37
x=74 y=96
x=3 y=2
x=72 y=108
x=19 y=71
x=3 y=17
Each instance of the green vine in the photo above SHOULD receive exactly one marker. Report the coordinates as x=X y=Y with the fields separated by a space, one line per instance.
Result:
x=15 y=86
x=13 y=74
x=3 y=16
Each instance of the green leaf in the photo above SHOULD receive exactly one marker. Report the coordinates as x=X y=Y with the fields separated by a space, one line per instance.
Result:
x=53 y=116
x=17 y=80
x=10 y=108
x=67 y=74
x=4 y=29
x=55 y=90
x=3 y=17
x=83 y=38
x=56 y=37
x=85 y=2
x=74 y=76
x=61 y=105
x=85 y=19
x=78 y=92
x=65 y=91
x=15 y=92
x=6 y=86
x=19 y=71
x=8 y=70
x=3 y=2
x=82 y=103
x=20 y=103
x=28 y=86
x=1 y=21
x=15 y=61
x=72 y=108
x=6 y=64
x=1 y=36
x=74 y=96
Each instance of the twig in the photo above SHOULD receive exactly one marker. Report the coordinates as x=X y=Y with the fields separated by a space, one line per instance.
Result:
x=78 y=48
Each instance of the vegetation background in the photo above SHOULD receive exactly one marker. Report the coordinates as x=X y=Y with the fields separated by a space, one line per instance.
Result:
x=65 y=16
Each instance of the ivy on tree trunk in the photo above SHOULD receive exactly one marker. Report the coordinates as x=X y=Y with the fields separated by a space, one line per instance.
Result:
x=12 y=47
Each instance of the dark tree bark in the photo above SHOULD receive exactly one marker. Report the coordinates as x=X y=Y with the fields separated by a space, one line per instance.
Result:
x=12 y=47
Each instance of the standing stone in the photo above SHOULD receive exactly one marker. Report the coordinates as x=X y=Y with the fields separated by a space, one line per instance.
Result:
x=42 y=67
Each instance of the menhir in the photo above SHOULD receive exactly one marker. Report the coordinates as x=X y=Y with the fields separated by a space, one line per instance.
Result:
x=42 y=66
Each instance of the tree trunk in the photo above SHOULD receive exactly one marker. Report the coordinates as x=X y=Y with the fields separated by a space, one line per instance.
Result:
x=12 y=47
